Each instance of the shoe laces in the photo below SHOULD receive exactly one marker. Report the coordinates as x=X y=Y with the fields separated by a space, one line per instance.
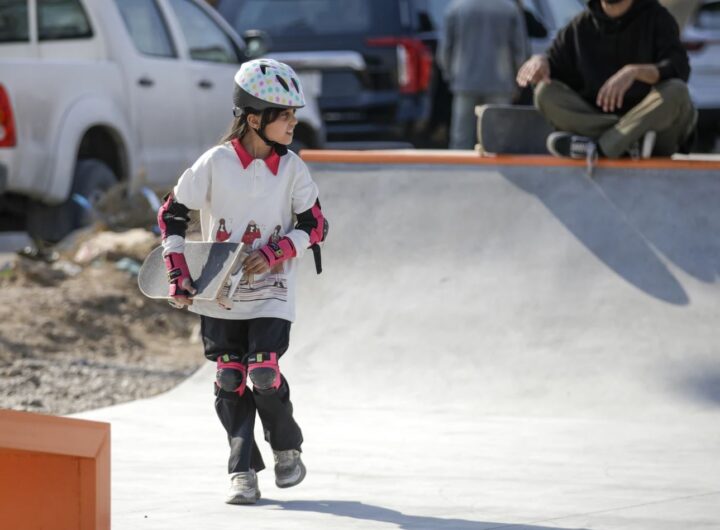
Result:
x=243 y=480
x=581 y=145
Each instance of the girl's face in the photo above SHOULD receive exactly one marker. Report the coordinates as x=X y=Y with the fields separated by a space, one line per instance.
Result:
x=281 y=130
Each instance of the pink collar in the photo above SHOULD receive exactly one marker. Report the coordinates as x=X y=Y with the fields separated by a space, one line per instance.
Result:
x=272 y=161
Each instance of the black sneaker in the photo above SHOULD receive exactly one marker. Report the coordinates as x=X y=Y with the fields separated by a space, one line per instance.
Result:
x=567 y=145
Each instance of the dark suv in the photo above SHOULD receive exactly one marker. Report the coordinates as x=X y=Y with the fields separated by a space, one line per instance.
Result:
x=373 y=67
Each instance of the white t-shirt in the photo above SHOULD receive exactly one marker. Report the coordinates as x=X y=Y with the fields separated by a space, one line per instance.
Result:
x=252 y=205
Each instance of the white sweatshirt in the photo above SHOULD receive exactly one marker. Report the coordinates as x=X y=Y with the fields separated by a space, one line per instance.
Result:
x=241 y=199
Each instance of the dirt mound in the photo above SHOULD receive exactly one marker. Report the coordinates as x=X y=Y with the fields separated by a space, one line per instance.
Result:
x=77 y=334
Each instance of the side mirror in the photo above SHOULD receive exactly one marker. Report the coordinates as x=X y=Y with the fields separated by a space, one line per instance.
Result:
x=535 y=28
x=257 y=43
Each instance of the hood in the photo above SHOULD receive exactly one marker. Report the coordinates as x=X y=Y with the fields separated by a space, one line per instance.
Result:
x=604 y=22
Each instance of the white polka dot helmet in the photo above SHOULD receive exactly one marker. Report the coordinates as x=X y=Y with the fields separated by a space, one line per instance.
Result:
x=267 y=83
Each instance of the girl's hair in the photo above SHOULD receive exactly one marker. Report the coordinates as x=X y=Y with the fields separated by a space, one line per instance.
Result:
x=239 y=126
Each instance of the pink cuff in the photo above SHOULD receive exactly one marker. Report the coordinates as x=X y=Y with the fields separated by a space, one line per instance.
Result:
x=177 y=272
x=317 y=234
x=278 y=252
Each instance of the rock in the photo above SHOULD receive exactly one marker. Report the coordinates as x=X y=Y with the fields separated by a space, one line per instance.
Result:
x=136 y=243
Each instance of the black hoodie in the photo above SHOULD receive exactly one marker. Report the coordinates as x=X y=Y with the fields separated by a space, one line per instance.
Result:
x=593 y=47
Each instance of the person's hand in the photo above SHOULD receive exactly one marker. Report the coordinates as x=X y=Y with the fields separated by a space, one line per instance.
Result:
x=181 y=301
x=181 y=287
x=534 y=70
x=256 y=263
x=611 y=94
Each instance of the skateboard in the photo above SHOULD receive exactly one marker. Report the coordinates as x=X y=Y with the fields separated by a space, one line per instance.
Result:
x=215 y=268
x=511 y=130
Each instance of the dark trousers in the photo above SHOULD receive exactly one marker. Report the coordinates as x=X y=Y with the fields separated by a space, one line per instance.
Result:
x=238 y=339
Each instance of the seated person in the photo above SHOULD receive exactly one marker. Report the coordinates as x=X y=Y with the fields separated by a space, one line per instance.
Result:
x=613 y=83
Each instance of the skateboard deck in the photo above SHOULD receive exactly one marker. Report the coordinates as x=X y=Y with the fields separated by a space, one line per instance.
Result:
x=511 y=130
x=216 y=269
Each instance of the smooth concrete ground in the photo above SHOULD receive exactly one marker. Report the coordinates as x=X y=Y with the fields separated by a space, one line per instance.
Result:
x=487 y=349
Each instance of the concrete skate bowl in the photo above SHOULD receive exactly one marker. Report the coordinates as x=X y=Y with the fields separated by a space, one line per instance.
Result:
x=488 y=347
x=515 y=288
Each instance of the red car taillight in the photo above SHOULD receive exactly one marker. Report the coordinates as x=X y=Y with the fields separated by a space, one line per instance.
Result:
x=414 y=62
x=7 y=123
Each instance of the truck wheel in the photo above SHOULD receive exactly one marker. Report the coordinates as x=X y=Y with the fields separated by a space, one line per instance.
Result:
x=93 y=178
x=51 y=223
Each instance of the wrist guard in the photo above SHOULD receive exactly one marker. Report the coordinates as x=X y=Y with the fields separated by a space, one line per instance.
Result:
x=177 y=272
x=278 y=252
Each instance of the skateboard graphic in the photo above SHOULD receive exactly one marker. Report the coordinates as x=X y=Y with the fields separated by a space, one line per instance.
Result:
x=511 y=130
x=215 y=268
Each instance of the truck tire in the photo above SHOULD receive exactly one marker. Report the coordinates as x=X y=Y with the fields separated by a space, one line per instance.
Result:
x=51 y=223
x=93 y=178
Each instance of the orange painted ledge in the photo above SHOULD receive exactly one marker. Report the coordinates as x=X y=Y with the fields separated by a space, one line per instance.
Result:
x=54 y=472
x=420 y=156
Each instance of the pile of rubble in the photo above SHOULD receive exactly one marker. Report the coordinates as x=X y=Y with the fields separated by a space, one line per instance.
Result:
x=77 y=334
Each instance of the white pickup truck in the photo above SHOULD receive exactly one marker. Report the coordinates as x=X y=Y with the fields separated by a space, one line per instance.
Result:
x=98 y=91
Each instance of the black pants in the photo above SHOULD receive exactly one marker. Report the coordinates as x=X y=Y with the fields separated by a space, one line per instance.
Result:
x=239 y=338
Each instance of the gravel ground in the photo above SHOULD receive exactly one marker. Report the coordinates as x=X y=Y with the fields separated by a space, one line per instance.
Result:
x=74 y=338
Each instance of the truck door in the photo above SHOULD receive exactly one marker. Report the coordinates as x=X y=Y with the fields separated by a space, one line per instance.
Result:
x=212 y=58
x=160 y=93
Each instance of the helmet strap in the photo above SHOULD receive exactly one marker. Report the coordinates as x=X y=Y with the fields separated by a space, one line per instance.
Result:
x=280 y=149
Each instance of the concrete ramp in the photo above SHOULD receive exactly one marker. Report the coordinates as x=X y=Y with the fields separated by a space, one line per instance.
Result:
x=488 y=347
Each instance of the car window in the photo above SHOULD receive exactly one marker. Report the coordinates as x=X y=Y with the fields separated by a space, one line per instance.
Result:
x=708 y=16
x=563 y=11
x=306 y=17
x=147 y=27
x=62 y=19
x=206 y=40
x=14 y=25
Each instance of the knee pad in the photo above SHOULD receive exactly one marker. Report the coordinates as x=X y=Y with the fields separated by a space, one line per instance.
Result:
x=231 y=375
x=264 y=372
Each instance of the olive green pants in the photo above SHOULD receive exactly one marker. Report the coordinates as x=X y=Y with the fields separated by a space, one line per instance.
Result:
x=667 y=110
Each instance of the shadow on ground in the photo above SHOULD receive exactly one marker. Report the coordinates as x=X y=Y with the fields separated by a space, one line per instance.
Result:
x=634 y=221
x=367 y=512
x=702 y=384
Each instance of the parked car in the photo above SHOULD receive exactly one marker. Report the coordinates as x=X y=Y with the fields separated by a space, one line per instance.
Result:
x=99 y=91
x=373 y=68
x=702 y=41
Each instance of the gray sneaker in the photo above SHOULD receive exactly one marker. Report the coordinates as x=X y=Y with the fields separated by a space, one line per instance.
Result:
x=243 y=488
x=289 y=469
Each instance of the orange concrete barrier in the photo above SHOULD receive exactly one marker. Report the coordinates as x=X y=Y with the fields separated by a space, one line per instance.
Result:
x=54 y=473
x=430 y=156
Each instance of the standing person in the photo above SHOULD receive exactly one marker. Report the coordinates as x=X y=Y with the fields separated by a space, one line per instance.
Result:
x=251 y=182
x=482 y=45
x=614 y=83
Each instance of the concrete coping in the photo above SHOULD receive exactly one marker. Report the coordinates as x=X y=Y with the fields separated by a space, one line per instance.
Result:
x=468 y=157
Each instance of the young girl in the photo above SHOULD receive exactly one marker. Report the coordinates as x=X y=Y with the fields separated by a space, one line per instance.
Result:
x=251 y=189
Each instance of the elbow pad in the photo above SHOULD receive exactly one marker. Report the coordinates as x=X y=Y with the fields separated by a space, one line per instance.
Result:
x=314 y=223
x=173 y=217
